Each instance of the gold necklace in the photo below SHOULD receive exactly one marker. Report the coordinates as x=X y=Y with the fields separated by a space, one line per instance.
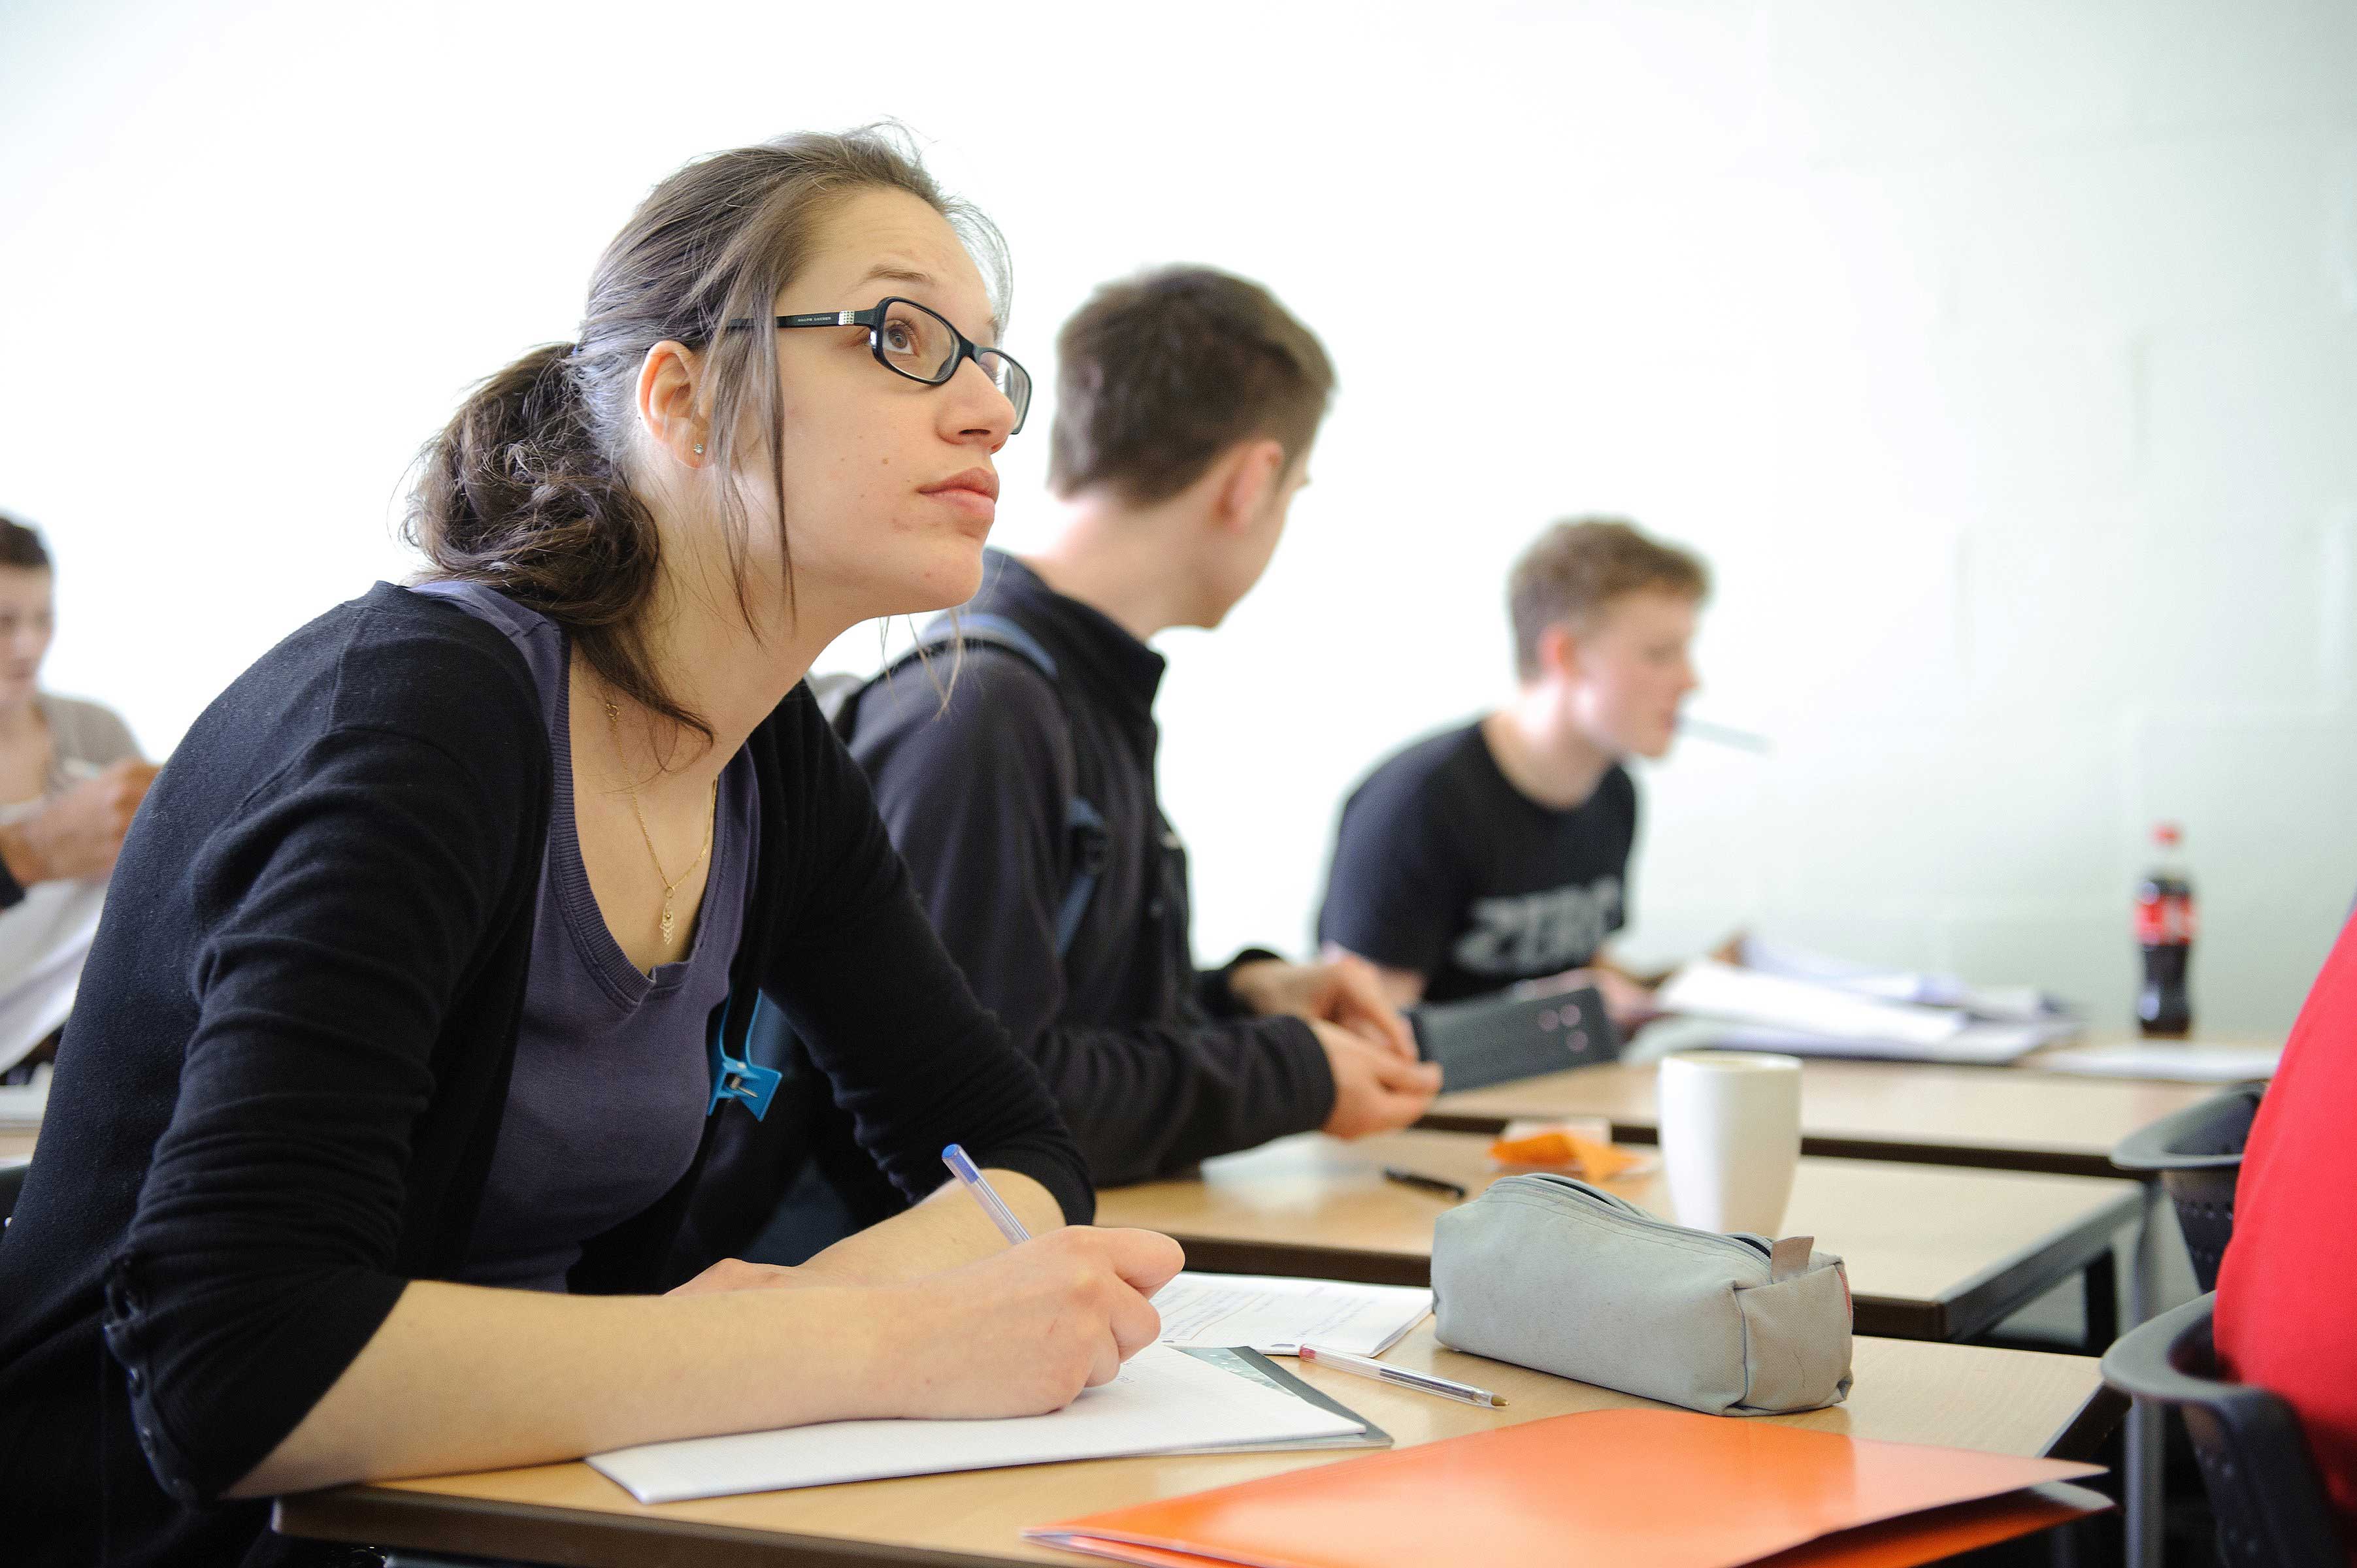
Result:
x=614 y=723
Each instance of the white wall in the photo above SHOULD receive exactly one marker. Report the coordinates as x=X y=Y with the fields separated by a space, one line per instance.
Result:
x=2002 y=356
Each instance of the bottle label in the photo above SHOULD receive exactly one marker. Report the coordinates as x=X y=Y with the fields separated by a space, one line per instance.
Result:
x=2164 y=920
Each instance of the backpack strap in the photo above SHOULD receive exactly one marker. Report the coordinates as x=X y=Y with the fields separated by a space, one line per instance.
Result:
x=839 y=696
x=1086 y=836
x=1084 y=826
x=995 y=631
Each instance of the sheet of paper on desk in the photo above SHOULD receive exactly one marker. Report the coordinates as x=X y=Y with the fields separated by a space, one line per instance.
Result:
x=1277 y=1316
x=1259 y=1369
x=2171 y=1063
x=1162 y=1400
x=1975 y=1045
x=1716 y=989
x=40 y=965
x=1998 y=1003
x=21 y=1104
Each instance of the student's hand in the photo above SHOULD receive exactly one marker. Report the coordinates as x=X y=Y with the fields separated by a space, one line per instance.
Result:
x=1344 y=989
x=736 y=1274
x=1374 y=1091
x=1626 y=1003
x=1024 y=1330
x=79 y=830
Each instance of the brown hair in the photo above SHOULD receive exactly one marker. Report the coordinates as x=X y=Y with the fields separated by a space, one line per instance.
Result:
x=1583 y=563
x=1160 y=373
x=527 y=488
x=21 y=546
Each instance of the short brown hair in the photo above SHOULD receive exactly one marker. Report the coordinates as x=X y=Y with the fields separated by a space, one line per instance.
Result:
x=1158 y=374
x=20 y=545
x=1582 y=563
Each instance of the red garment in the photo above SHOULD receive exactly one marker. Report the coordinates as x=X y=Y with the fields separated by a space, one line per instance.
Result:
x=2286 y=1316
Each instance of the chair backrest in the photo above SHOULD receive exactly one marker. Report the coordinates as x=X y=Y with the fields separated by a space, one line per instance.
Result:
x=2262 y=1483
x=2198 y=1154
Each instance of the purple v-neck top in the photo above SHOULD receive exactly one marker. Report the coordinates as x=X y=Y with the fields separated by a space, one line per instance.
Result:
x=607 y=1103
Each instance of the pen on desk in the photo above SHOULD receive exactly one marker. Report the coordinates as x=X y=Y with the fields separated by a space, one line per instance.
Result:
x=1423 y=1382
x=992 y=1204
x=1429 y=1183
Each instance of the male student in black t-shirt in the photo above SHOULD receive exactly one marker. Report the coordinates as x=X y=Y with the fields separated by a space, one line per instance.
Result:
x=1187 y=401
x=1499 y=851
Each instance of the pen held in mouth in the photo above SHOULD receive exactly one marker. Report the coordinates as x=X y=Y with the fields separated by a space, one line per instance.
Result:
x=1724 y=735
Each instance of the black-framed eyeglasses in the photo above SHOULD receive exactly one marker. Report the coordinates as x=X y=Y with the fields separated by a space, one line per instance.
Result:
x=911 y=340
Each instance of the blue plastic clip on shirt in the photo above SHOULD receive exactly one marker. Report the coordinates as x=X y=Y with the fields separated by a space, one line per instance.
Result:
x=733 y=1078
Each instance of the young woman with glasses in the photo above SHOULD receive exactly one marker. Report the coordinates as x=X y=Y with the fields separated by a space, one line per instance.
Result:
x=431 y=958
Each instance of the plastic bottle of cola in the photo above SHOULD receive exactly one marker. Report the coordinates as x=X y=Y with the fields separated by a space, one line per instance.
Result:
x=2164 y=929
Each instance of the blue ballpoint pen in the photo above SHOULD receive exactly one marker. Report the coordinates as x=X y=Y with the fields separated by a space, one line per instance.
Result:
x=992 y=1204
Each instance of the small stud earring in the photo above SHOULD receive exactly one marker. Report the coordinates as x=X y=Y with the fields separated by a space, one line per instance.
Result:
x=699 y=449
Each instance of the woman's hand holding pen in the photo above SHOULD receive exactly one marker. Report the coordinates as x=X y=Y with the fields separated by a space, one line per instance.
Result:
x=1024 y=1330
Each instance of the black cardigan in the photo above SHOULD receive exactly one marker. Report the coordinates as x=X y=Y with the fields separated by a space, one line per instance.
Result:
x=278 y=1097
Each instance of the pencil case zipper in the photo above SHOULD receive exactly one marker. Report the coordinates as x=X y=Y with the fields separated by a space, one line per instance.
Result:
x=1563 y=1190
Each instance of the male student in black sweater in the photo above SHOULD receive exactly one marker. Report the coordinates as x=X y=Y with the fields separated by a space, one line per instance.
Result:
x=1498 y=852
x=1187 y=401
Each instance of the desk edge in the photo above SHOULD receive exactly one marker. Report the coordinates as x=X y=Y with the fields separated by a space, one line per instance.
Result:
x=1986 y=1299
x=1837 y=1146
x=536 y=1532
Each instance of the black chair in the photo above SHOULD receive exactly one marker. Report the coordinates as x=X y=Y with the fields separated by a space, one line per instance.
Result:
x=2262 y=1483
x=2198 y=1153
x=12 y=1181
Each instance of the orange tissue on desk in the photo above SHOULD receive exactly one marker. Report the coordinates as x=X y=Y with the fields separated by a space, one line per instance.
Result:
x=1558 y=1148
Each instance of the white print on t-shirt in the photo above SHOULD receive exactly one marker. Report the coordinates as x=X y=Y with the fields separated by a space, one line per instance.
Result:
x=1540 y=933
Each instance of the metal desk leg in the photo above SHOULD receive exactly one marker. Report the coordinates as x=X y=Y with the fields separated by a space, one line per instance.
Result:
x=2143 y=1482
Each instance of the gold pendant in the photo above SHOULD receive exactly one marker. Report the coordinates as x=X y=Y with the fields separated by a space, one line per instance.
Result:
x=666 y=920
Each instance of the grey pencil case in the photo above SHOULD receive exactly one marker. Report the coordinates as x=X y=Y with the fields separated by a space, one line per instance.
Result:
x=1551 y=1272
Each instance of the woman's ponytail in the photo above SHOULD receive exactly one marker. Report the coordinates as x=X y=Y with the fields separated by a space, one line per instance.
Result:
x=515 y=493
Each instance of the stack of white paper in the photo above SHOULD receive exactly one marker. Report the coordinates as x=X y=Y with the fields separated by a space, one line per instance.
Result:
x=1780 y=1013
x=1999 y=1003
x=1277 y=1316
x=1722 y=991
x=1974 y=1045
x=1162 y=1401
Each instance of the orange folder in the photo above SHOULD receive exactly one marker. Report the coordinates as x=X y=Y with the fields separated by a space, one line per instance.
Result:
x=1668 y=1489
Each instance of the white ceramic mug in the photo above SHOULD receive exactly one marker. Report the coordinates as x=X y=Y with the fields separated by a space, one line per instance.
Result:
x=1730 y=1138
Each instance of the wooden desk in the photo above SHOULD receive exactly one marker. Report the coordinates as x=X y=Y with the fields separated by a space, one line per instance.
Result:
x=2014 y=1118
x=2007 y=1401
x=1933 y=1252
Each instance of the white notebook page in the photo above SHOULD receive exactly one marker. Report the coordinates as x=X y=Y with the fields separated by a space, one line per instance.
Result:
x=1277 y=1316
x=1162 y=1400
